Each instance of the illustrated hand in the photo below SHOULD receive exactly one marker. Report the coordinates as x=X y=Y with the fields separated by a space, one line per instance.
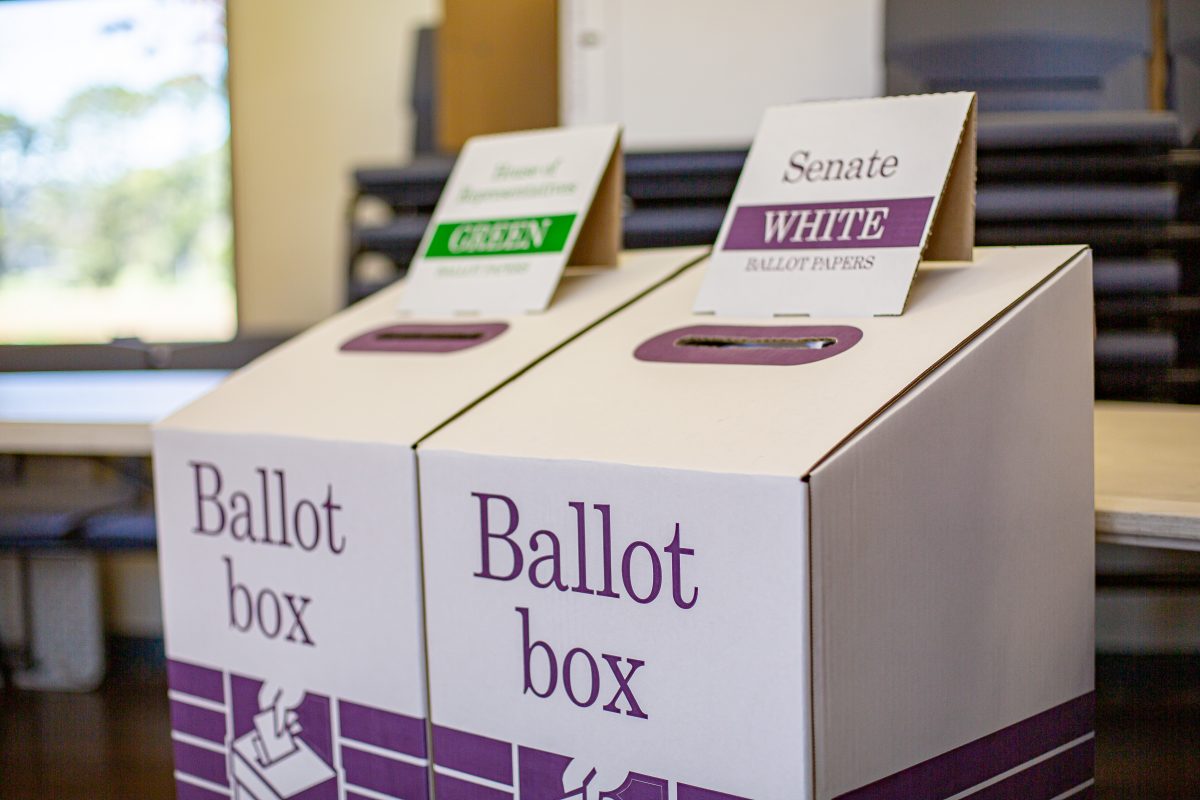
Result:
x=283 y=701
x=585 y=782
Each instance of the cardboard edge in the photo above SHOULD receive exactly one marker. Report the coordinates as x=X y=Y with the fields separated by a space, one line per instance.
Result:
x=1067 y=263
x=598 y=242
x=307 y=438
x=815 y=746
x=951 y=236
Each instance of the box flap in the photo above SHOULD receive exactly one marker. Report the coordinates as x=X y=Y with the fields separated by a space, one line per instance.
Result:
x=840 y=201
x=310 y=387
x=516 y=209
x=782 y=415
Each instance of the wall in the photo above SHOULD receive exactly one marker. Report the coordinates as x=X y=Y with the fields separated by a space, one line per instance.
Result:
x=726 y=66
x=316 y=89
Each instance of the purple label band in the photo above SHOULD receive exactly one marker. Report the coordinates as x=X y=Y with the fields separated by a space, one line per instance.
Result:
x=202 y=723
x=473 y=754
x=383 y=775
x=1010 y=748
x=381 y=728
x=827 y=226
x=1050 y=778
x=773 y=345
x=208 y=765
x=425 y=337
x=450 y=788
x=197 y=681
x=190 y=791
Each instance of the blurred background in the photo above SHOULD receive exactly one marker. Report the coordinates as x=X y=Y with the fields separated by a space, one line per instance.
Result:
x=186 y=183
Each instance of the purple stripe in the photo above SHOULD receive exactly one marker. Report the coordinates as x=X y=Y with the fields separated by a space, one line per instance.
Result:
x=394 y=778
x=381 y=728
x=1046 y=779
x=196 y=681
x=197 y=721
x=824 y=226
x=686 y=792
x=977 y=761
x=190 y=791
x=449 y=788
x=474 y=755
x=193 y=760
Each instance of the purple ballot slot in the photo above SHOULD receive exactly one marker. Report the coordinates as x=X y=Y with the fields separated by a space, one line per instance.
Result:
x=425 y=337
x=780 y=346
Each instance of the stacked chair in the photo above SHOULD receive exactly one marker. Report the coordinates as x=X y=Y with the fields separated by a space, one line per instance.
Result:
x=1120 y=182
x=671 y=199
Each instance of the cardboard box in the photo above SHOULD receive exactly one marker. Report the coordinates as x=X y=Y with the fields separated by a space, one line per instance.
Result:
x=288 y=539
x=497 y=68
x=704 y=558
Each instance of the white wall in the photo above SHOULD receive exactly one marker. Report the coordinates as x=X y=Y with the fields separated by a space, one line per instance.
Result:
x=316 y=89
x=700 y=73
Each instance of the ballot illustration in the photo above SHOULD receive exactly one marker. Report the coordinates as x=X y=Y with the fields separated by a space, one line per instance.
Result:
x=273 y=761
x=251 y=738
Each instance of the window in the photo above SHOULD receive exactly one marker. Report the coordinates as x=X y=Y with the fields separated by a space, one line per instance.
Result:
x=114 y=171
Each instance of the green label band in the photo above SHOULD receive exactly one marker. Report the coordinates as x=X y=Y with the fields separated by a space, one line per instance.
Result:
x=501 y=236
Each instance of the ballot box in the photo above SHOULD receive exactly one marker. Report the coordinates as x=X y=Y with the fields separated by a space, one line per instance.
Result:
x=703 y=558
x=289 y=544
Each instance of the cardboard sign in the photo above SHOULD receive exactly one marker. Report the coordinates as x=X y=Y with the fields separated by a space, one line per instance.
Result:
x=839 y=202
x=517 y=209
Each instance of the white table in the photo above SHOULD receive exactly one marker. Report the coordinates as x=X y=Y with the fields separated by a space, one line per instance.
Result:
x=80 y=413
x=92 y=413
x=1148 y=475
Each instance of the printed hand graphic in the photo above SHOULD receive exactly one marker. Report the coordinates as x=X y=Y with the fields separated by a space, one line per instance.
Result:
x=283 y=701
x=586 y=782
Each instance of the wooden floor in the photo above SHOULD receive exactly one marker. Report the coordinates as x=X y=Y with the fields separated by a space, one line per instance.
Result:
x=1148 y=728
x=115 y=743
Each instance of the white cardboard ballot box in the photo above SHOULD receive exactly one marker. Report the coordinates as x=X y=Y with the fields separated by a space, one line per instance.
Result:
x=288 y=539
x=699 y=558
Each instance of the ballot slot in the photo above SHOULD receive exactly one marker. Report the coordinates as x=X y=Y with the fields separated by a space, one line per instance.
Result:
x=806 y=343
x=430 y=337
x=774 y=345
